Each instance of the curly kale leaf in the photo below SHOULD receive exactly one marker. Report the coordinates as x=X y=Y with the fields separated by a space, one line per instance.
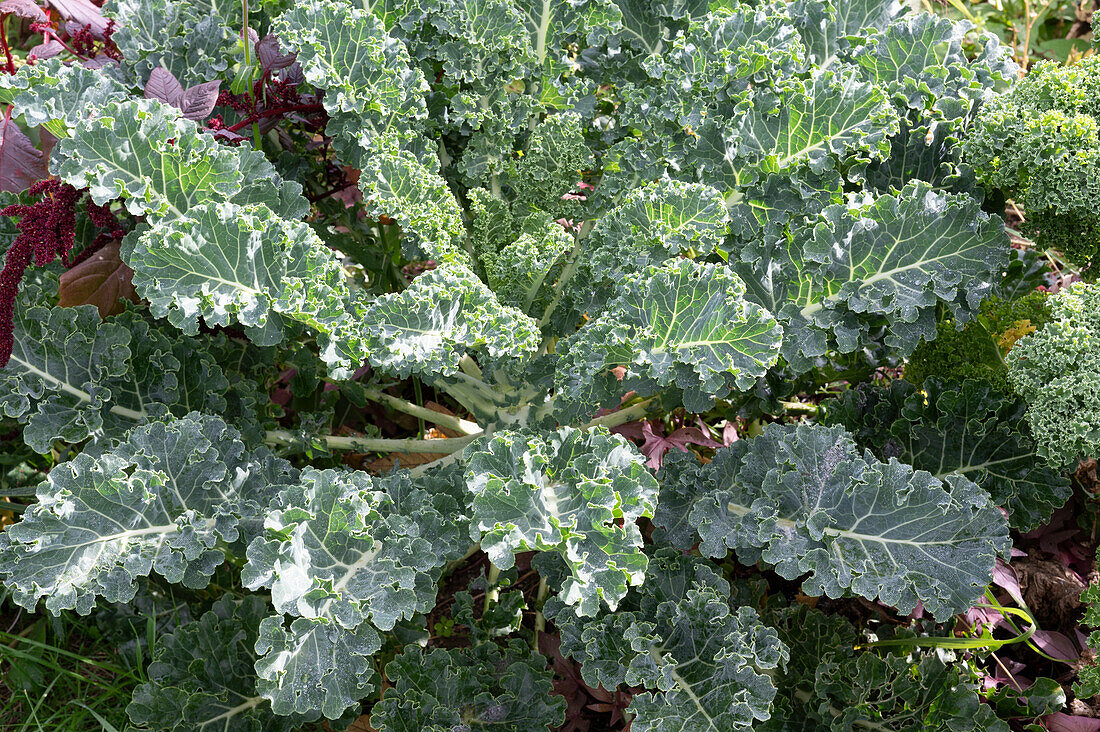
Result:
x=827 y=687
x=804 y=499
x=1057 y=372
x=978 y=349
x=72 y=376
x=345 y=555
x=148 y=154
x=57 y=96
x=228 y=263
x=202 y=676
x=1040 y=144
x=485 y=687
x=523 y=272
x=651 y=225
x=571 y=492
x=707 y=666
x=829 y=28
x=919 y=59
x=894 y=258
x=370 y=89
x=342 y=548
x=195 y=46
x=376 y=104
x=967 y=428
x=163 y=499
x=681 y=324
x=445 y=312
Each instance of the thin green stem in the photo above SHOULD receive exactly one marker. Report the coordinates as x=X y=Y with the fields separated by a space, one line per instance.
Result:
x=540 y=619
x=492 y=592
x=419 y=406
x=13 y=507
x=567 y=272
x=801 y=407
x=447 y=421
x=624 y=415
x=446 y=445
x=972 y=643
x=248 y=66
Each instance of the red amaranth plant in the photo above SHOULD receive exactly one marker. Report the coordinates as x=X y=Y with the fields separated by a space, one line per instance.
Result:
x=47 y=231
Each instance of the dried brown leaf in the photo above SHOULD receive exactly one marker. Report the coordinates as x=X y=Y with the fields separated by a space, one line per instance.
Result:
x=102 y=279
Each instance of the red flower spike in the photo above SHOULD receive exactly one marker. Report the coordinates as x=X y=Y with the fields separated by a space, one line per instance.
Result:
x=47 y=230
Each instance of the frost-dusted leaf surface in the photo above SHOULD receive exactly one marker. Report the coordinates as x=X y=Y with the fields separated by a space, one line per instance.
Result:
x=370 y=89
x=192 y=40
x=717 y=59
x=229 y=264
x=651 y=225
x=804 y=499
x=312 y=666
x=833 y=115
x=202 y=678
x=58 y=374
x=339 y=548
x=375 y=100
x=826 y=27
x=896 y=257
x=681 y=324
x=648 y=26
x=965 y=428
x=522 y=274
x=154 y=176
x=57 y=95
x=481 y=44
x=73 y=376
x=564 y=492
x=146 y=153
x=346 y=555
x=399 y=185
x=486 y=687
x=677 y=635
x=445 y=312
x=161 y=500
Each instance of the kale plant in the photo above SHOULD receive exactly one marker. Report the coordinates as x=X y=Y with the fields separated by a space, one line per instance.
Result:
x=1039 y=144
x=556 y=218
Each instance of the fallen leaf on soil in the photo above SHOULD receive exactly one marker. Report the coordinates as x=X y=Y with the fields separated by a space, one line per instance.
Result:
x=102 y=279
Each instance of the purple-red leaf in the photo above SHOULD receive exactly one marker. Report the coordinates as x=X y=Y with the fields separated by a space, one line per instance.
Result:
x=102 y=279
x=98 y=62
x=1059 y=722
x=271 y=58
x=1055 y=644
x=45 y=50
x=655 y=444
x=24 y=9
x=21 y=164
x=83 y=13
x=1004 y=576
x=198 y=101
x=164 y=85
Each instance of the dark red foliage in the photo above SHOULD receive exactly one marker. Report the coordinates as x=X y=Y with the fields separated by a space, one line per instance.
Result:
x=102 y=218
x=47 y=230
